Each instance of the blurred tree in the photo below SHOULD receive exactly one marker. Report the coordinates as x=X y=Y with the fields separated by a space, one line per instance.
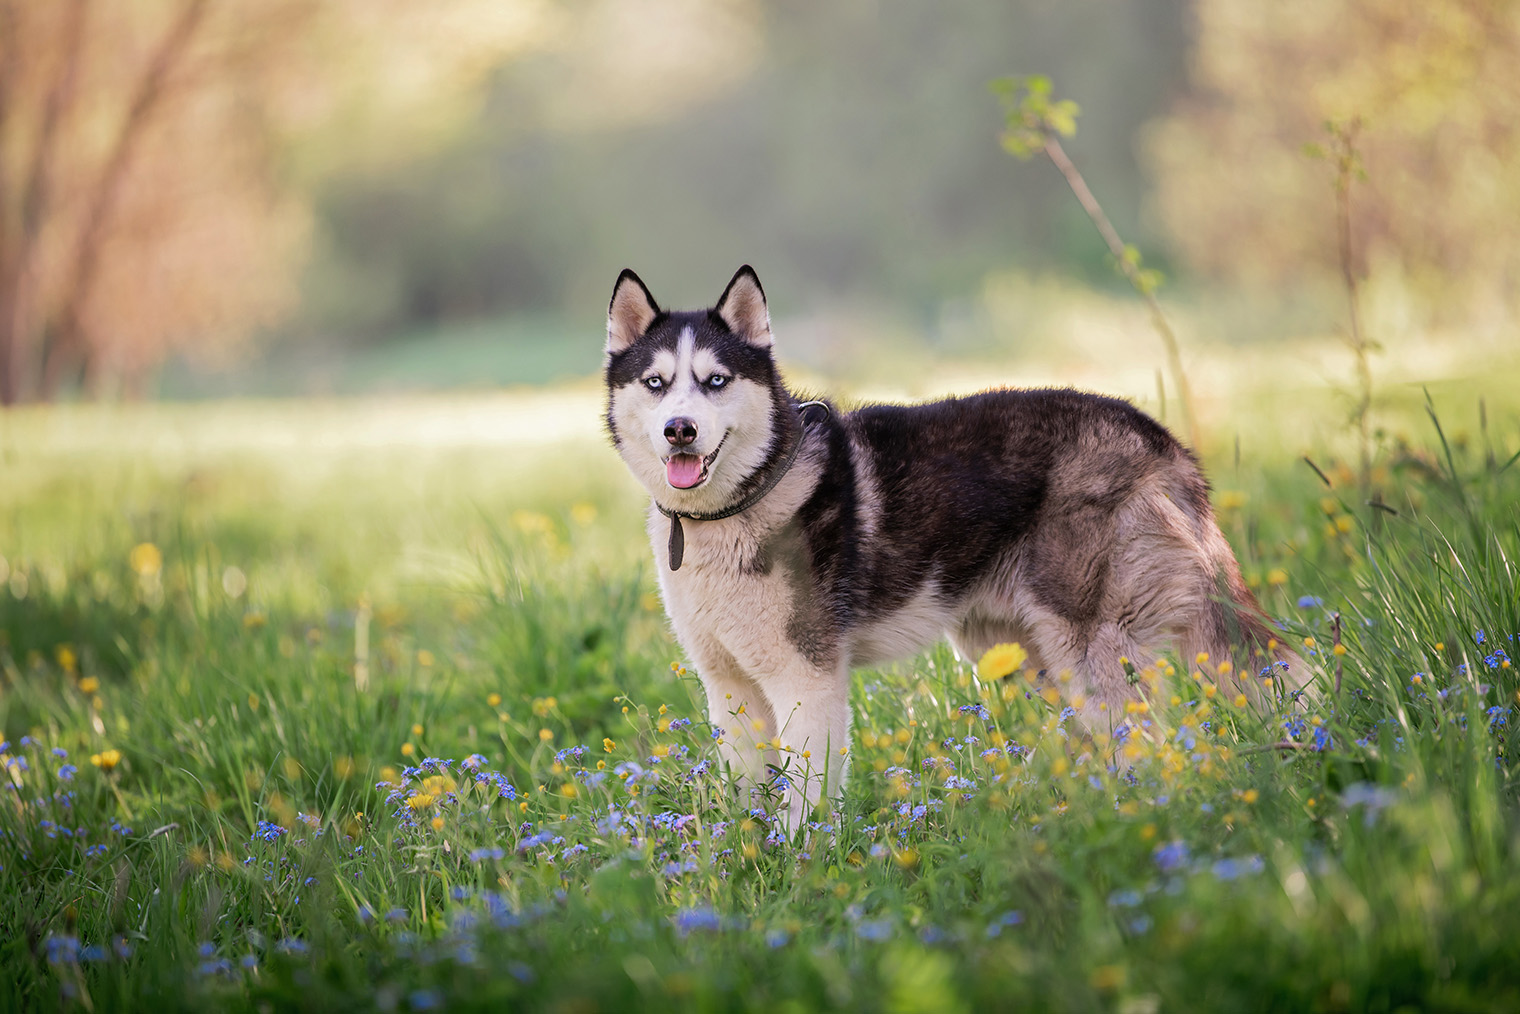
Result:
x=151 y=200
x=1436 y=86
x=841 y=147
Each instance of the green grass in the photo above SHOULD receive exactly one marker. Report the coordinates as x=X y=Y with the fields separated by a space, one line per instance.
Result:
x=202 y=607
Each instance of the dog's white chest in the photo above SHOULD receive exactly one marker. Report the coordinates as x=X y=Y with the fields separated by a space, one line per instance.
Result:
x=718 y=596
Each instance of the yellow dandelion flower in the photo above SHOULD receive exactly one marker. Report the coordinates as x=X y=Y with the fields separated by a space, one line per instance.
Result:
x=106 y=759
x=421 y=801
x=1308 y=642
x=417 y=729
x=437 y=823
x=146 y=559
x=1224 y=666
x=608 y=745
x=425 y=658
x=1440 y=646
x=545 y=735
x=407 y=749
x=439 y=784
x=1249 y=796
x=493 y=700
x=89 y=685
x=1001 y=660
x=1277 y=576
x=1339 y=649
x=569 y=791
x=1240 y=700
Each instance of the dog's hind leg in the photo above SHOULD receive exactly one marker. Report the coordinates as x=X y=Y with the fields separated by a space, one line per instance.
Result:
x=1088 y=667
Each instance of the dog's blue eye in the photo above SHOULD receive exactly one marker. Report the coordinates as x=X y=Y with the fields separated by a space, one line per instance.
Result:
x=717 y=380
x=653 y=383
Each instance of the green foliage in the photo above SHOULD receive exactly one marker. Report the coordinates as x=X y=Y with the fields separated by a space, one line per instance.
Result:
x=1031 y=114
x=522 y=809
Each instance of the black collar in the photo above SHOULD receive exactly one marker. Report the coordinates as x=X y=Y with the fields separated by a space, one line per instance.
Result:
x=678 y=537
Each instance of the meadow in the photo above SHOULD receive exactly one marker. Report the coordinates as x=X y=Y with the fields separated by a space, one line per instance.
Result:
x=371 y=706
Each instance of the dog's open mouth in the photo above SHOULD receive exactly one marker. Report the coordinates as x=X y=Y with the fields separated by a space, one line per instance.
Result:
x=687 y=471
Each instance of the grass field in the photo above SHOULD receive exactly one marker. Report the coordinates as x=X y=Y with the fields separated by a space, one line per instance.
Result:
x=353 y=705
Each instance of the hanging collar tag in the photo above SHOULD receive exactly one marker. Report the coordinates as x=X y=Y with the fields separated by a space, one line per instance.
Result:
x=677 y=546
x=677 y=542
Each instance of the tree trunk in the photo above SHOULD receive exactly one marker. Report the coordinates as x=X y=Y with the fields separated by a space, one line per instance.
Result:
x=68 y=352
x=20 y=320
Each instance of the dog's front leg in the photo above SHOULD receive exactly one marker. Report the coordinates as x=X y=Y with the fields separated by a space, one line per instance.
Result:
x=812 y=712
x=736 y=706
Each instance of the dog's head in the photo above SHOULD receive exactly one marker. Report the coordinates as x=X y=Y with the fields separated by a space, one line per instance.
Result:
x=694 y=398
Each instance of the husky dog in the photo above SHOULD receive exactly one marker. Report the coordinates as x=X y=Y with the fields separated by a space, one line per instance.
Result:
x=794 y=542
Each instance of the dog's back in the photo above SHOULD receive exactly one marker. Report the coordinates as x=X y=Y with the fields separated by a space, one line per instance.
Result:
x=1070 y=522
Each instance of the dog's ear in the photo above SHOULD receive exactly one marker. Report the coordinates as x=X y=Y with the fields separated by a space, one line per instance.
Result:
x=630 y=312
x=742 y=307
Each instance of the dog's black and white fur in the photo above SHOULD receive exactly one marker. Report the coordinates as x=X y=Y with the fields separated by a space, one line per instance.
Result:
x=1071 y=523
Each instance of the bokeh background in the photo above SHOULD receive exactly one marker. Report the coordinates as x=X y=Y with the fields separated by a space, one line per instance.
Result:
x=211 y=198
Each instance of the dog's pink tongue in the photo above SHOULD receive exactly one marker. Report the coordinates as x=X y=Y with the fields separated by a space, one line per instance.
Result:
x=683 y=471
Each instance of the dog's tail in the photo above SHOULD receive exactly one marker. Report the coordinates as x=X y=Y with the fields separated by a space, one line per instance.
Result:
x=1265 y=667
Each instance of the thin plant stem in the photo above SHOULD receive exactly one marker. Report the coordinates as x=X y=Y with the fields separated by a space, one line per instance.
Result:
x=1110 y=235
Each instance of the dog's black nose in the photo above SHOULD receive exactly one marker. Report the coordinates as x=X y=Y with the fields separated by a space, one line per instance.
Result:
x=680 y=431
